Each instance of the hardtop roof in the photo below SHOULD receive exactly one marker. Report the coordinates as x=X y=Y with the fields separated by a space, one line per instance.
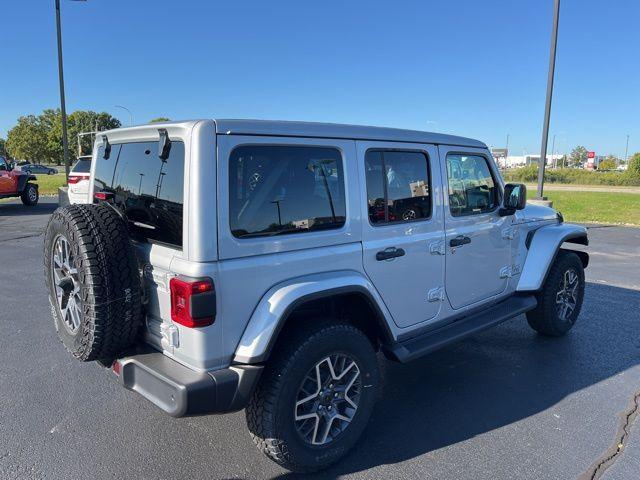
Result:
x=281 y=128
x=335 y=130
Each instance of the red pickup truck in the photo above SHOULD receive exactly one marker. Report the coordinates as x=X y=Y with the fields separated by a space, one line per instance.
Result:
x=15 y=183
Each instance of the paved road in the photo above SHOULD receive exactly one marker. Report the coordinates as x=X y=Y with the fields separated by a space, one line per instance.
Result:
x=584 y=188
x=504 y=404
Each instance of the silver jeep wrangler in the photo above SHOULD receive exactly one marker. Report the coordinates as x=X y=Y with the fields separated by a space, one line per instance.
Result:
x=261 y=265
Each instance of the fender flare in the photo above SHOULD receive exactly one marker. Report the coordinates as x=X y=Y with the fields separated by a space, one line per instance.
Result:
x=23 y=180
x=280 y=301
x=544 y=244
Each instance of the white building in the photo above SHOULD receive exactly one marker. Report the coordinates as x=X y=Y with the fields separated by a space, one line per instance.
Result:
x=514 y=161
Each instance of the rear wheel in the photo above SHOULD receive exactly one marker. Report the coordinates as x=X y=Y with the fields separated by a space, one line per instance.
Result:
x=560 y=300
x=30 y=195
x=315 y=397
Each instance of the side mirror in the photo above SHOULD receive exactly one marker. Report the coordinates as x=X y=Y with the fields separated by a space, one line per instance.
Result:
x=515 y=198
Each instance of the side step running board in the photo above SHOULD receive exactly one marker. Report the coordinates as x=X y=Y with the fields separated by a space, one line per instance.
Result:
x=436 y=339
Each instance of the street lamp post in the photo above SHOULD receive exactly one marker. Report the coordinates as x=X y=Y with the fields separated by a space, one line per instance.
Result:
x=130 y=114
x=63 y=109
x=547 y=108
x=626 y=150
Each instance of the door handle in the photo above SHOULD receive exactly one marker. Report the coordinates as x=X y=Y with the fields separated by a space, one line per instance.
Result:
x=459 y=241
x=389 y=253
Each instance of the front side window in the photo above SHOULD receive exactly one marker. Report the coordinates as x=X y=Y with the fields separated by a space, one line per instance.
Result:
x=397 y=186
x=147 y=189
x=472 y=189
x=285 y=189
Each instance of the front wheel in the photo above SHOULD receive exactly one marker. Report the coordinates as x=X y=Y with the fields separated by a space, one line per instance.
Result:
x=315 y=397
x=30 y=195
x=560 y=300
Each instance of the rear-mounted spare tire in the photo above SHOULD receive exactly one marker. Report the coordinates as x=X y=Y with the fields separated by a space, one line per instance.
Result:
x=93 y=281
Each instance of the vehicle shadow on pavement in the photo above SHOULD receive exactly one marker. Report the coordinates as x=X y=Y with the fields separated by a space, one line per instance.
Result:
x=20 y=210
x=494 y=379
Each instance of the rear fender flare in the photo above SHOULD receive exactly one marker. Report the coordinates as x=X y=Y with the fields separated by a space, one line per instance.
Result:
x=277 y=304
x=543 y=249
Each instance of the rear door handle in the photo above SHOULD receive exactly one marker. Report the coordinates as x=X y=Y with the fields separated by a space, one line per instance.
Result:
x=459 y=241
x=389 y=253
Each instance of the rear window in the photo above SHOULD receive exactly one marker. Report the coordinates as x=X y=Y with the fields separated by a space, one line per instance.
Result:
x=83 y=165
x=285 y=189
x=146 y=189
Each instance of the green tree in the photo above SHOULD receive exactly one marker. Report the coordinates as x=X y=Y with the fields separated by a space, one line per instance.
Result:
x=39 y=138
x=85 y=121
x=3 y=150
x=634 y=165
x=159 y=120
x=578 y=156
x=608 y=163
x=27 y=140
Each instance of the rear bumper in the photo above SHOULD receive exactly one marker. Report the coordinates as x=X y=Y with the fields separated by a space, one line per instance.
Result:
x=180 y=391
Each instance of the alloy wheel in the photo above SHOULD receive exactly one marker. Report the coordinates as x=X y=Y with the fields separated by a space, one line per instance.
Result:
x=327 y=399
x=65 y=281
x=567 y=296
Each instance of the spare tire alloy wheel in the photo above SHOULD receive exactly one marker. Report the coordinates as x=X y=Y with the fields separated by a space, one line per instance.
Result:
x=67 y=286
x=328 y=399
x=93 y=281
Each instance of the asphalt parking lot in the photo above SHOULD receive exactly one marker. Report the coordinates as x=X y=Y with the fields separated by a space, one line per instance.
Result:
x=501 y=405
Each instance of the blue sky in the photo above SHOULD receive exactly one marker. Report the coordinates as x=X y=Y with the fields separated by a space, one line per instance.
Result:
x=468 y=67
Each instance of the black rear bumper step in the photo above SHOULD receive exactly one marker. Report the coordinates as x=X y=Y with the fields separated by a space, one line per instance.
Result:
x=180 y=391
x=436 y=339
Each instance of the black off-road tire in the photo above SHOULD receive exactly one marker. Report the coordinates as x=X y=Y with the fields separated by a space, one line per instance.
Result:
x=30 y=195
x=270 y=413
x=545 y=318
x=108 y=278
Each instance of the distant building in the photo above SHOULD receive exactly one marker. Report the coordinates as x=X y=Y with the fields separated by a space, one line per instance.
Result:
x=513 y=161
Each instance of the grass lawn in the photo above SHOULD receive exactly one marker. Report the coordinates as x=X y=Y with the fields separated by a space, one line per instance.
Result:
x=595 y=207
x=48 y=184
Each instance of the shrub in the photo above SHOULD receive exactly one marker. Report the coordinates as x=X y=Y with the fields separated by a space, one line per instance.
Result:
x=578 y=176
x=634 y=166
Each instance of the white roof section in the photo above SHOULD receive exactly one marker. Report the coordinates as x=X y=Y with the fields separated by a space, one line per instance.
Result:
x=279 y=128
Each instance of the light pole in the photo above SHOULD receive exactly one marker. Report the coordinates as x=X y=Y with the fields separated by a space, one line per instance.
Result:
x=506 y=153
x=63 y=109
x=626 y=150
x=547 y=108
x=130 y=114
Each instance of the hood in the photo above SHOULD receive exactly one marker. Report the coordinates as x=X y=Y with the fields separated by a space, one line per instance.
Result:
x=533 y=213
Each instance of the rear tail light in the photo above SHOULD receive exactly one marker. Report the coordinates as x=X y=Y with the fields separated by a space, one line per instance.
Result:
x=73 y=179
x=103 y=195
x=193 y=301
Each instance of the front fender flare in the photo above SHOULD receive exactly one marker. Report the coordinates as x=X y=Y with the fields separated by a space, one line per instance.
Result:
x=275 y=306
x=23 y=180
x=543 y=248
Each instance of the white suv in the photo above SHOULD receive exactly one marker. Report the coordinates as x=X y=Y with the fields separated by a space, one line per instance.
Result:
x=78 y=191
x=232 y=264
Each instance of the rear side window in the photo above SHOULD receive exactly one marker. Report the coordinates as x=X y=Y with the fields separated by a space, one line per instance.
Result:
x=145 y=188
x=472 y=189
x=285 y=189
x=82 y=166
x=397 y=186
